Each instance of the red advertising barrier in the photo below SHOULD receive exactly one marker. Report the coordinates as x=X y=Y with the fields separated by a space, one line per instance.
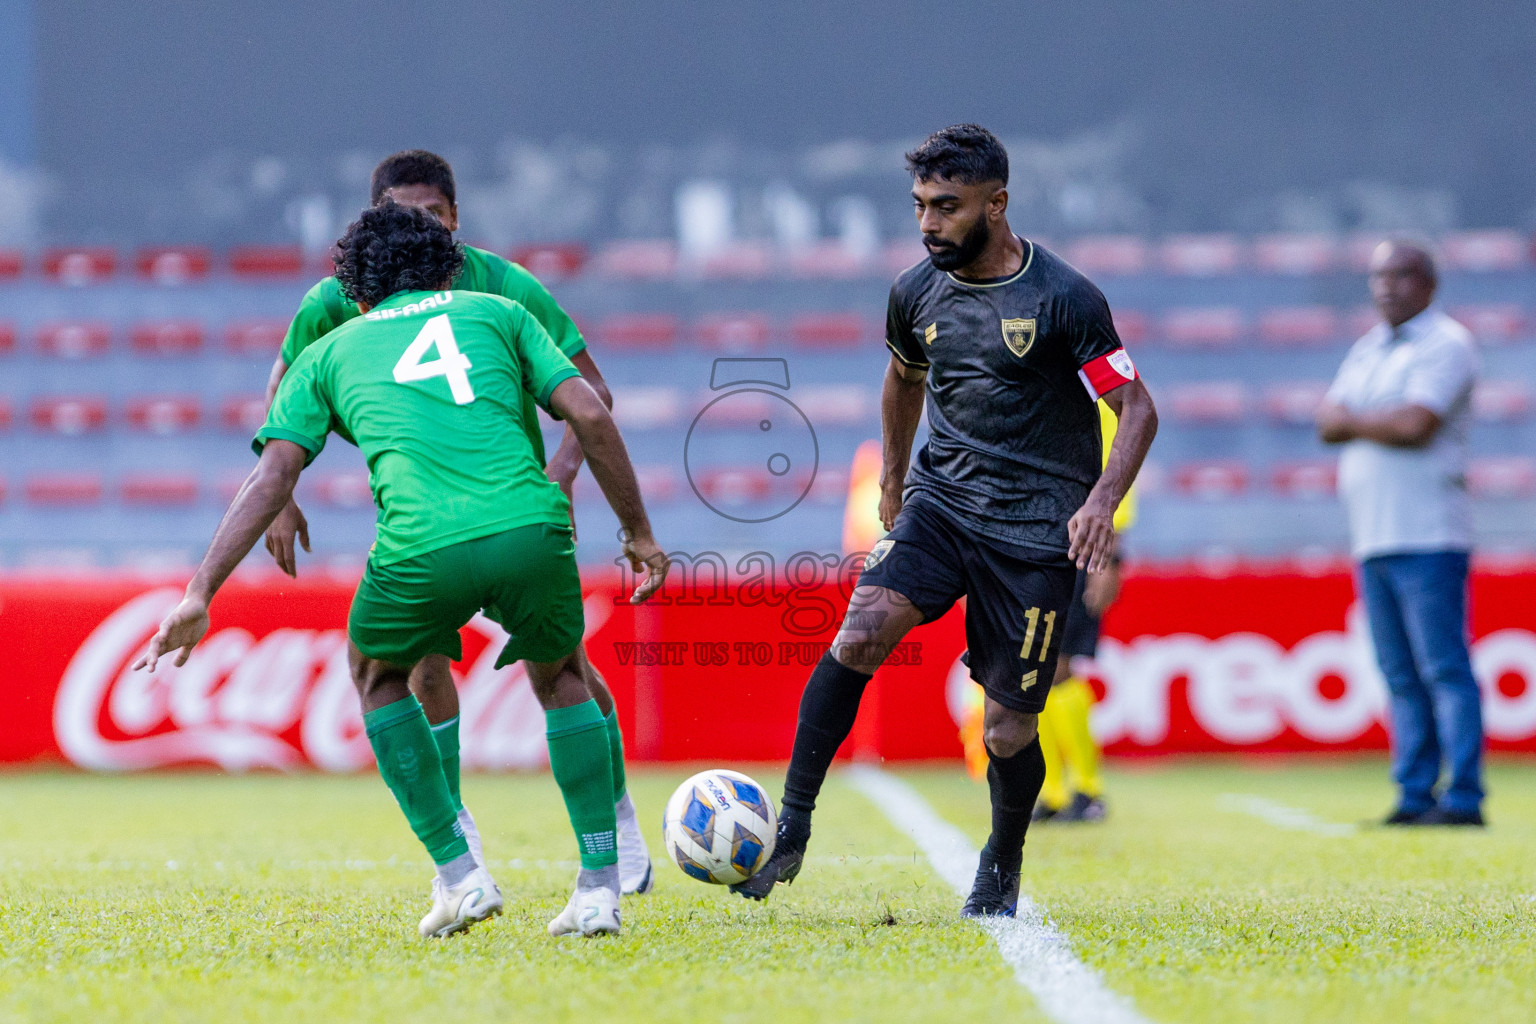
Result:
x=1188 y=664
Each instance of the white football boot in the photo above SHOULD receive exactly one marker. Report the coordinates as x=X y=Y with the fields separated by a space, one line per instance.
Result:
x=456 y=907
x=589 y=912
x=472 y=838
x=635 y=877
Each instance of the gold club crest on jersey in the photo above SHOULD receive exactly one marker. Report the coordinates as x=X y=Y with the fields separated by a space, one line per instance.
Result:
x=1019 y=335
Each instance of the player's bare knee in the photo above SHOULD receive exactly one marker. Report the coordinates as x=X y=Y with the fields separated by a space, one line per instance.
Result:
x=876 y=620
x=1008 y=734
x=558 y=684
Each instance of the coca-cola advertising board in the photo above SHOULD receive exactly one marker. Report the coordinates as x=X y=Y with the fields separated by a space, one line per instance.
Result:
x=1189 y=663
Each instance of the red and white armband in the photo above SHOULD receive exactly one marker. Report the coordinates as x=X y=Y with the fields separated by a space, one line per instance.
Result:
x=1109 y=371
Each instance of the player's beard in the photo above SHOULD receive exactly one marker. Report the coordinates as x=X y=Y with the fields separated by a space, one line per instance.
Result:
x=953 y=257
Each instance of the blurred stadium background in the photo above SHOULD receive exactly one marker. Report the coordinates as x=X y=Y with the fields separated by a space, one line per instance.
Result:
x=169 y=186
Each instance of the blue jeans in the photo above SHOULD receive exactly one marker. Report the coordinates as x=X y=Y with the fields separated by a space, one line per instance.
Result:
x=1417 y=605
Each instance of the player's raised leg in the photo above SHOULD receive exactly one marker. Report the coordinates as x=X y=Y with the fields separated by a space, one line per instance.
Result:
x=409 y=762
x=876 y=620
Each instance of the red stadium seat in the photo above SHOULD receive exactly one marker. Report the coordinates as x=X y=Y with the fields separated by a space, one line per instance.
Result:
x=829 y=330
x=744 y=409
x=837 y=404
x=1296 y=254
x=740 y=261
x=158 y=489
x=1508 y=477
x=1211 y=480
x=173 y=265
x=167 y=338
x=1493 y=323
x=551 y=261
x=1132 y=325
x=729 y=487
x=1200 y=255
x=1359 y=320
x=829 y=260
x=1210 y=403
x=7 y=339
x=344 y=490
x=243 y=414
x=11 y=262
x=5 y=413
x=64 y=489
x=1358 y=248
x=647 y=408
x=266 y=261
x=639 y=331
x=901 y=254
x=1484 y=250
x=1295 y=402
x=74 y=340
x=659 y=484
x=1313 y=479
x=733 y=332
x=1108 y=254
x=1209 y=327
x=1501 y=401
x=830 y=487
x=255 y=337
x=69 y=415
x=165 y=414
x=1300 y=326
x=88 y=265
x=647 y=260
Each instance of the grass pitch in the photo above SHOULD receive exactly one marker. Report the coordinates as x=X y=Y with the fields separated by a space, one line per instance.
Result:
x=201 y=897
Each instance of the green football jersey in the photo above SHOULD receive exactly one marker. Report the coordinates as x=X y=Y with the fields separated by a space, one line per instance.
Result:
x=325 y=308
x=433 y=386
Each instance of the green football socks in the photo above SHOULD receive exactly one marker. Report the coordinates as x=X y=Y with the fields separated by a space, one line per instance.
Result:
x=447 y=736
x=408 y=759
x=583 y=768
x=616 y=754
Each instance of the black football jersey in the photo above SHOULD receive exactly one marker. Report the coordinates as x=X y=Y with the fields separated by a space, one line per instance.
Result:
x=1015 y=366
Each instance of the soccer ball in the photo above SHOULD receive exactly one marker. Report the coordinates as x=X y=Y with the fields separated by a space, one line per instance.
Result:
x=720 y=827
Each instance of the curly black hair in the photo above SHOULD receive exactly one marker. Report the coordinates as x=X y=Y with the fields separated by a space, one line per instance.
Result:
x=392 y=248
x=412 y=167
x=966 y=153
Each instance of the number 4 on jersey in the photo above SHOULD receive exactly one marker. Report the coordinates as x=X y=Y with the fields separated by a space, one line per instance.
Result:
x=450 y=362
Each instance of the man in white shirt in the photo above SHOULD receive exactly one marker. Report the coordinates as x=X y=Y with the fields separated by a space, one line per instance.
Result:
x=1400 y=406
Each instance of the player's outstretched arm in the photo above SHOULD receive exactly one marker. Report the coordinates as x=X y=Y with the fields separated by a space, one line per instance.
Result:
x=290 y=522
x=901 y=409
x=261 y=497
x=566 y=462
x=1091 y=531
x=576 y=403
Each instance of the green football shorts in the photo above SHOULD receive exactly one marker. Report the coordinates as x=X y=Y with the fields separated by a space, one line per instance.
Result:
x=525 y=579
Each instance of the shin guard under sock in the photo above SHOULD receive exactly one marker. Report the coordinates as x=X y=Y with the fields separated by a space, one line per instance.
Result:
x=409 y=762
x=447 y=736
x=616 y=755
x=828 y=707
x=1015 y=784
x=579 y=759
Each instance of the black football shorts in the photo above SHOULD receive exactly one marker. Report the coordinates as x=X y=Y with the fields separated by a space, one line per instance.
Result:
x=1016 y=598
x=1081 y=638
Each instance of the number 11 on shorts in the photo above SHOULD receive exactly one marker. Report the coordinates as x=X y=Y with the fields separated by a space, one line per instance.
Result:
x=1033 y=615
x=450 y=362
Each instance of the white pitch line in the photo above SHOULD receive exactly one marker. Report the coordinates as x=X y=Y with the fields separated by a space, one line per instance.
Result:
x=1068 y=990
x=1292 y=819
